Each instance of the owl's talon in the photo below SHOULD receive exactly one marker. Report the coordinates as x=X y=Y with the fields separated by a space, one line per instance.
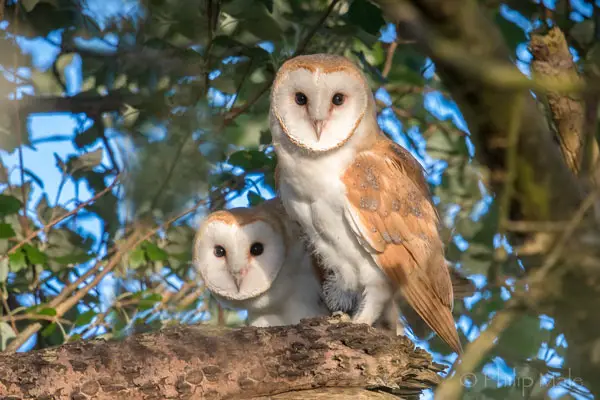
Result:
x=341 y=316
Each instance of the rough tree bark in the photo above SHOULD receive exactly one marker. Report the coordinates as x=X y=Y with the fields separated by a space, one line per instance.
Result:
x=474 y=63
x=318 y=358
x=552 y=58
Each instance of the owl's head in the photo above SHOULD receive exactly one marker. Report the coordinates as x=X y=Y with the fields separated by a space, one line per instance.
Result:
x=318 y=101
x=239 y=252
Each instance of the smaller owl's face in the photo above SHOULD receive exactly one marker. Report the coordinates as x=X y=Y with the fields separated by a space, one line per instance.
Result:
x=237 y=261
x=319 y=108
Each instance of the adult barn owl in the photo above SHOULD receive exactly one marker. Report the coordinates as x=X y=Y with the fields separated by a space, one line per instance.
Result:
x=253 y=259
x=362 y=200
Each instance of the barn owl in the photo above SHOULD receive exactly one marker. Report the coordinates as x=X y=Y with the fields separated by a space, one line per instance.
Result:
x=252 y=258
x=362 y=199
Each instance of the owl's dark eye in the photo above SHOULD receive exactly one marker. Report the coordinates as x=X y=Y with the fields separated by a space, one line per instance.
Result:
x=338 y=99
x=301 y=99
x=257 y=249
x=219 y=251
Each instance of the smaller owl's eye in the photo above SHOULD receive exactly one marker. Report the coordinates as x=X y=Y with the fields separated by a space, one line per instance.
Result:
x=301 y=99
x=219 y=251
x=257 y=249
x=338 y=99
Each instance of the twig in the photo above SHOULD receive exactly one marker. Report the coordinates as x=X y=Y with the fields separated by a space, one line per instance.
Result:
x=106 y=143
x=505 y=76
x=451 y=388
x=534 y=226
x=559 y=246
x=57 y=220
x=389 y=60
x=34 y=316
x=511 y=158
x=23 y=220
x=9 y=312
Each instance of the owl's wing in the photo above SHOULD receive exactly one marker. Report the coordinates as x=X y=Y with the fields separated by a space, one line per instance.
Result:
x=389 y=208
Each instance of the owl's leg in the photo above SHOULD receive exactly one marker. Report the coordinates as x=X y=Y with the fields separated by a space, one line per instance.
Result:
x=377 y=294
x=337 y=298
x=390 y=321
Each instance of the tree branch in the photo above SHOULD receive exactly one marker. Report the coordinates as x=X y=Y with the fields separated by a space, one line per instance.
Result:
x=210 y=362
x=552 y=59
x=546 y=185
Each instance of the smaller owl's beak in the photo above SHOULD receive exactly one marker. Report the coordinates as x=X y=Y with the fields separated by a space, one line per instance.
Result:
x=318 y=124
x=238 y=277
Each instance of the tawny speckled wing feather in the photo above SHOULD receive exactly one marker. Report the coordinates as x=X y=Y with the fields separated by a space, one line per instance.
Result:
x=389 y=208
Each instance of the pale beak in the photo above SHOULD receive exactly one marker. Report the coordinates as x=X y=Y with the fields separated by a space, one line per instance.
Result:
x=318 y=125
x=238 y=277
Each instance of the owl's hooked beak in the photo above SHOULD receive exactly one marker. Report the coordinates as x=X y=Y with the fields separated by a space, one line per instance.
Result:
x=318 y=125
x=238 y=277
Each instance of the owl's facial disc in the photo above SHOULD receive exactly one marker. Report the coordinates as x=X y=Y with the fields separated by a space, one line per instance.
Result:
x=320 y=110
x=239 y=262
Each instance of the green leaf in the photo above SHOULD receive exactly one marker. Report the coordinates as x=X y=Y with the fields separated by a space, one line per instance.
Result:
x=49 y=330
x=9 y=205
x=254 y=199
x=249 y=160
x=137 y=258
x=154 y=252
x=86 y=161
x=47 y=311
x=265 y=137
x=6 y=333
x=85 y=318
x=89 y=137
x=34 y=255
x=17 y=260
x=149 y=301
x=366 y=15
x=33 y=177
x=6 y=231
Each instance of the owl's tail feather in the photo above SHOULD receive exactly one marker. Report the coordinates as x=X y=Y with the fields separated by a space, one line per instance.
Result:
x=421 y=296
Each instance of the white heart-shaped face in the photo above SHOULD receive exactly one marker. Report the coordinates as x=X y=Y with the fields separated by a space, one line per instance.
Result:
x=238 y=262
x=319 y=110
